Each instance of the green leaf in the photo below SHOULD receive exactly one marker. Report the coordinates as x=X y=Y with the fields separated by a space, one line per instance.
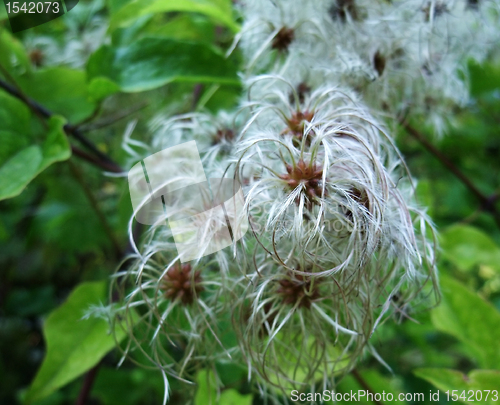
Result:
x=15 y=128
x=61 y=90
x=74 y=345
x=56 y=398
x=224 y=98
x=483 y=78
x=220 y=11
x=3 y=14
x=115 y=5
x=14 y=114
x=153 y=62
x=206 y=394
x=69 y=225
x=13 y=56
x=378 y=383
x=233 y=397
x=471 y=320
x=140 y=383
x=230 y=373
x=466 y=247
x=186 y=27
x=102 y=87
x=130 y=34
x=17 y=172
x=476 y=380
x=425 y=194
x=56 y=147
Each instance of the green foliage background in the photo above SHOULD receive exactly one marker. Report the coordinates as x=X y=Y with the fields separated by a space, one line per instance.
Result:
x=56 y=254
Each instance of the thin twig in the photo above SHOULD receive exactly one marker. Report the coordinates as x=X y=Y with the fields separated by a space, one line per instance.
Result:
x=95 y=161
x=487 y=202
x=197 y=92
x=75 y=132
x=68 y=128
x=15 y=90
x=95 y=206
x=90 y=118
x=87 y=385
x=112 y=119
x=365 y=385
x=444 y=160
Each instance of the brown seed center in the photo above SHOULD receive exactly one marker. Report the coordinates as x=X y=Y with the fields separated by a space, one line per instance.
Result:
x=298 y=289
x=307 y=174
x=181 y=284
x=283 y=39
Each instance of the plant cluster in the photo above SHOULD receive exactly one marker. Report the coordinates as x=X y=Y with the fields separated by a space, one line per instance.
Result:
x=336 y=243
x=318 y=278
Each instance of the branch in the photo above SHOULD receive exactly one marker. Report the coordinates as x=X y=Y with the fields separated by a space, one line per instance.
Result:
x=445 y=161
x=95 y=206
x=197 y=92
x=13 y=91
x=365 y=385
x=68 y=128
x=87 y=385
x=487 y=202
x=95 y=161
x=84 y=127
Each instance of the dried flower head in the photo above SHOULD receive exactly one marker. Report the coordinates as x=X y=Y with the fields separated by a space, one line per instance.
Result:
x=36 y=57
x=307 y=176
x=344 y=9
x=283 y=38
x=298 y=290
x=172 y=311
x=335 y=235
x=180 y=283
x=296 y=124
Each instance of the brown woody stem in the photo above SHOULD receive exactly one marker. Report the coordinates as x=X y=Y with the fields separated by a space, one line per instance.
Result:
x=365 y=385
x=487 y=202
x=88 y=381
x=68 y=128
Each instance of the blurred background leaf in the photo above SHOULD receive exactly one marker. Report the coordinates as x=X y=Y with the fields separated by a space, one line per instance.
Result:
x=479 y=385
x=26 y=164
x=153 y=62
x=470 y=319
x=74 y=344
